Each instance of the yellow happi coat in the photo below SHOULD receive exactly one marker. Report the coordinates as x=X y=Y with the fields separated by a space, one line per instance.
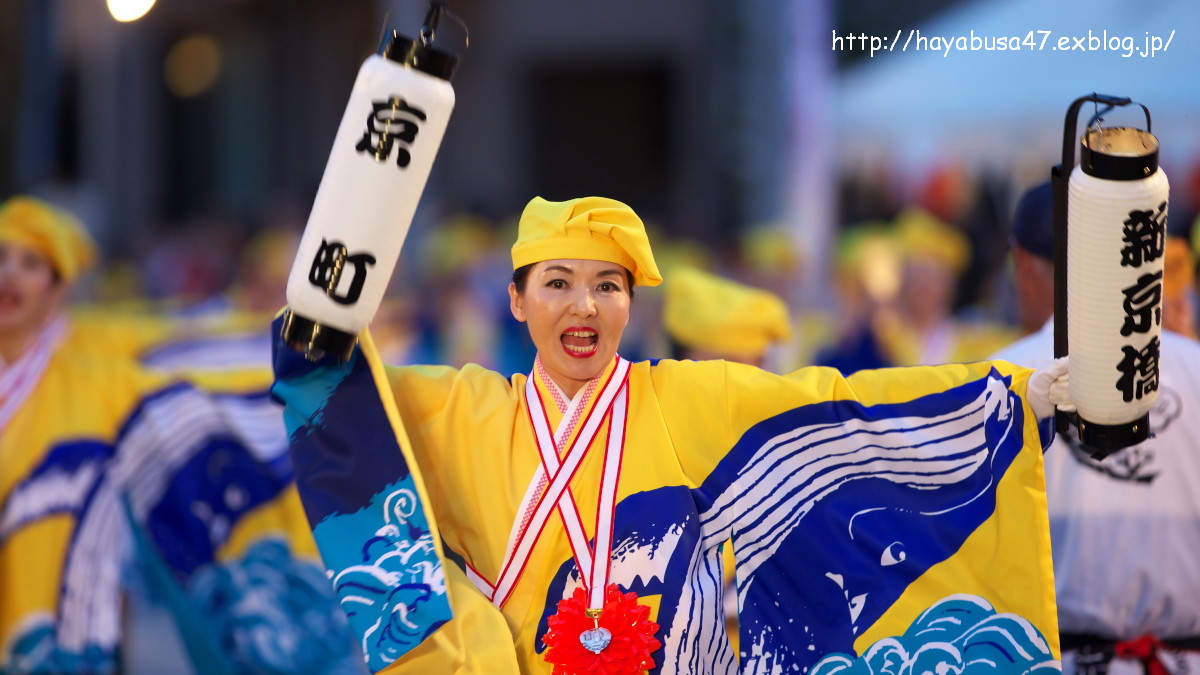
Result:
x=860 y=508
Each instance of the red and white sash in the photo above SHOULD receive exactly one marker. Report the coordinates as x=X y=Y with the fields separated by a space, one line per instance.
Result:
x=593 y=563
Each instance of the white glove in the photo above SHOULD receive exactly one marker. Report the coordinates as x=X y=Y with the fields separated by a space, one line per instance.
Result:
x=1049 y=389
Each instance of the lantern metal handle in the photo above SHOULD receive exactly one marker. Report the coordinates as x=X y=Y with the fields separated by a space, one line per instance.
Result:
x=434 y=13
x=438 y=8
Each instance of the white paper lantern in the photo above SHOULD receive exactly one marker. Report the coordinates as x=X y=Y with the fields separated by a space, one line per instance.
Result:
x=1117 y=224
x=381 y=158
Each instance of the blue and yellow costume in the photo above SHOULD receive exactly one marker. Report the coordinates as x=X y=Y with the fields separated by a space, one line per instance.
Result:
x=866 y=512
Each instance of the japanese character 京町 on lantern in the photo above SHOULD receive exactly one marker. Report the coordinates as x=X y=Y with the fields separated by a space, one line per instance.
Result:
x=381 y=158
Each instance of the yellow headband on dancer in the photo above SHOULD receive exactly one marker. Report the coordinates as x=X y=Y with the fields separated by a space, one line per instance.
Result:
x=703 y=311
x=922 y=236
x=1178 y=273
x=54 y=233
x=589 y=228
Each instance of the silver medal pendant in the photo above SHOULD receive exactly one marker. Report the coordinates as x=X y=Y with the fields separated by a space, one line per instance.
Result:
x=595 y=639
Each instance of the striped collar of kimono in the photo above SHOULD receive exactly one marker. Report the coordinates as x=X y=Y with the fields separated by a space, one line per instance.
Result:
x=549 y=487
x=570 y=408
x=19 y=378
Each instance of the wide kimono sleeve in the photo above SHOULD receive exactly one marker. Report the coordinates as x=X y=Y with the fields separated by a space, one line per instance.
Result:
x=178 y=496
x=409 y=607
x=897 y=516
x=63 y=553
x=218 y=533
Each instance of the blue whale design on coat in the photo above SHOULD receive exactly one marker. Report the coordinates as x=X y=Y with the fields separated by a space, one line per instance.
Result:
x=834 y=509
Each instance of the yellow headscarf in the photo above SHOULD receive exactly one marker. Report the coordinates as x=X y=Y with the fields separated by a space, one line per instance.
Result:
x=922 y=236
x=867 y=258
x=589 y=228
x=51 y=231
x=457 y=243
x=1178 y=273
x=769 y=249
x=703 y=311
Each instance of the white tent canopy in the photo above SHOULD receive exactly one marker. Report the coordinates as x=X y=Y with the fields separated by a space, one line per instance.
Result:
x=914 y=109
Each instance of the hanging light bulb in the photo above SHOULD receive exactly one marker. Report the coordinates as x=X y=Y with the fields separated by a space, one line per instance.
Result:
x=129 y=10
x=1116 y=205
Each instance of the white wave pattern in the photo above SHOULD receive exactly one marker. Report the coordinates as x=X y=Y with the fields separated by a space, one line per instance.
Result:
x=392 y=569
x=635 y=562
x=696 y=641
x=960 y=633
x=171 y=427
x=421 y=572
x=56 y=491
x=90 y=604
x=401 y=505
x=790 y=473
x=239 y=350
x=162 y=438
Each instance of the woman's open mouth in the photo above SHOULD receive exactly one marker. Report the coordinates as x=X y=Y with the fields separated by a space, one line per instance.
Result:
x=9 y=299
x=580 y=342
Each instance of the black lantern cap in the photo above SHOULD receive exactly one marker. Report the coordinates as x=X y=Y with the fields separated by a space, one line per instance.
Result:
x=1118 y=153
x=418 y=55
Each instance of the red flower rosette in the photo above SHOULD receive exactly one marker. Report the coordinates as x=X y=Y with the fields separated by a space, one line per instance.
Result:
x=632 y=635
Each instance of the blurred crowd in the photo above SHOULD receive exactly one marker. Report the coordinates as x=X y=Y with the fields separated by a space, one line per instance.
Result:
x=922 y=279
